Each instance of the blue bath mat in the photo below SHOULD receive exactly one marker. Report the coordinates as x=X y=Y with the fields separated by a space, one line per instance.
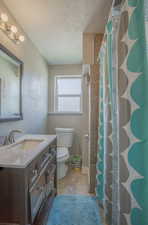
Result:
x=74 y=210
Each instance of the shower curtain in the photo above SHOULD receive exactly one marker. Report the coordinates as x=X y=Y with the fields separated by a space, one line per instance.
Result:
x=122 y=168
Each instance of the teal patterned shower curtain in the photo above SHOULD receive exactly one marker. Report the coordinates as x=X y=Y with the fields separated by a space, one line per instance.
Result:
x=122 y=169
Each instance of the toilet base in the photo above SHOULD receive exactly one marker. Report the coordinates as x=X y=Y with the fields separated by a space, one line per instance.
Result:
x=62 y=169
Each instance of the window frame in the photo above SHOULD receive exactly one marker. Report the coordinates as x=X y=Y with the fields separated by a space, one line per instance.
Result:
x=56 y=95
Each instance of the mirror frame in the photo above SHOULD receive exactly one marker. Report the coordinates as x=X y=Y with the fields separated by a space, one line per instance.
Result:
x=21 y=64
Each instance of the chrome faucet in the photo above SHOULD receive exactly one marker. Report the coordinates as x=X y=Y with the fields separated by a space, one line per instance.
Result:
x=10 y=138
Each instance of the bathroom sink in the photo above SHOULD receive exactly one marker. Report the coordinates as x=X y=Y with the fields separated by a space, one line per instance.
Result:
x=27 y=144
x=24 y=150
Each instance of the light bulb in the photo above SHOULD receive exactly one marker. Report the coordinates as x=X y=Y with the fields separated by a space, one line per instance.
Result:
x=4 y=17
x=11 y=36
x=21 y=38
x=13 y=29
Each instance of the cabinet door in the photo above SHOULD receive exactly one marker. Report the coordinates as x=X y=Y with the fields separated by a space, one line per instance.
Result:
x=50 y=179
x=37 y=195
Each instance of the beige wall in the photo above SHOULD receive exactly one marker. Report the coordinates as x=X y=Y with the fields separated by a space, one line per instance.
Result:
x=78 y=122
x=35 y=85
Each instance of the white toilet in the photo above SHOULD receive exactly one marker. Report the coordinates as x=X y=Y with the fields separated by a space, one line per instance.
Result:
x=64 y=142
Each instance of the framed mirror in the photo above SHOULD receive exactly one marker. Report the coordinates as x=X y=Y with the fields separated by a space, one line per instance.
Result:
x=11 y=70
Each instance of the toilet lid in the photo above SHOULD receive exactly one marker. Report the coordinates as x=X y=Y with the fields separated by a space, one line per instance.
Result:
x=62 y=152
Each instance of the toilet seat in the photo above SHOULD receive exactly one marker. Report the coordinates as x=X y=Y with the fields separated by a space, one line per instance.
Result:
x=62 y=154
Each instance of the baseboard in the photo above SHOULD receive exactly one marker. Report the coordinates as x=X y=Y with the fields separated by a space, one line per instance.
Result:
x=85 y=170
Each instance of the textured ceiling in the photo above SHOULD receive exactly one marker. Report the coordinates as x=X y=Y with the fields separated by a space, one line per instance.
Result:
x=56 y=26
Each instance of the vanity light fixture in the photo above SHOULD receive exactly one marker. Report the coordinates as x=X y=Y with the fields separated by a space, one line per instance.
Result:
x=10 y=30
x=14 y=29
x=21 y=38
x=4 y=17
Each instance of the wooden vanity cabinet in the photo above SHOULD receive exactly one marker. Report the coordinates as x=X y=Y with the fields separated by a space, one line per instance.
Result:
x=26 y=192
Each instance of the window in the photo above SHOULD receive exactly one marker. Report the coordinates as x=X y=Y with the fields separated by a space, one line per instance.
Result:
x=68 y=94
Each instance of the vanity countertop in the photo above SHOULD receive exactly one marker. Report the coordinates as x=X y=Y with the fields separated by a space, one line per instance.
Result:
x=24 y=150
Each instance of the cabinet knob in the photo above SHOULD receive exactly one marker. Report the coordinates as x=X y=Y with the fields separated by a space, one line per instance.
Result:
x=35 y=172
x=40 y=188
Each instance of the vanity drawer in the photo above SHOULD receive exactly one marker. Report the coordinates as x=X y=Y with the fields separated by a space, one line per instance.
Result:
x=50 y=178
x=37 y=165
x=44 y=158
x=37 y=195
x=53 y=151
x=33 y=172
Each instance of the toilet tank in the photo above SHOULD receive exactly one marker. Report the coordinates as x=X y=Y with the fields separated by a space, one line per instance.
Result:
x=64 y=137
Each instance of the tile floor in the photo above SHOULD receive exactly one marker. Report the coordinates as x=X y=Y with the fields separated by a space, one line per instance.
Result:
x=74 y=183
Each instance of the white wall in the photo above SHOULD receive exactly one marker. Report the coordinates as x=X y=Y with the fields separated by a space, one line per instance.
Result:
x=78 y=122
x=35 y=85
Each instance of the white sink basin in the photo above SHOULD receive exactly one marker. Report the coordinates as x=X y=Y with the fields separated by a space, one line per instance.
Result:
x=26 y=144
